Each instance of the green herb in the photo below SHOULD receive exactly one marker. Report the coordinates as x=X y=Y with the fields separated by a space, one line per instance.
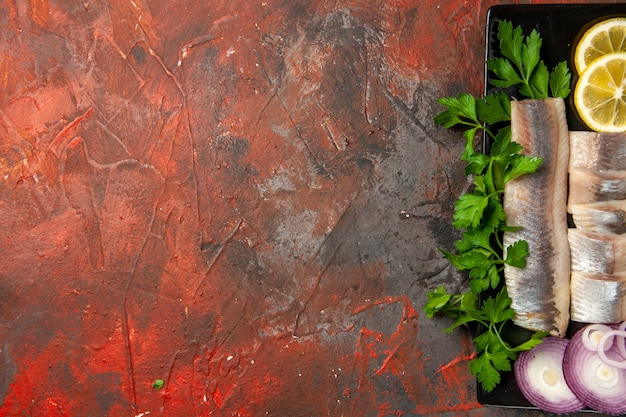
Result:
x=158 y=384
x=479 y=213
x=522 y=67
x=495 y=354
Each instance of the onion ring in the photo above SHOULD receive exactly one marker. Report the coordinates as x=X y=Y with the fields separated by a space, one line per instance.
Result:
x=590 y=336
x=610 y=335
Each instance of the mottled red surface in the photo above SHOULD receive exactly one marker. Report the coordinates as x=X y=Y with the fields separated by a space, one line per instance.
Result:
x=243 y=199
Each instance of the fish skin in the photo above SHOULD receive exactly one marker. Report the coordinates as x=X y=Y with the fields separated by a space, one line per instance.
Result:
x=597 y=202
x=598 y=297
x=589 y=186
x=540 y=291
x=601 y=216
x=596 y=251
x=598 y=151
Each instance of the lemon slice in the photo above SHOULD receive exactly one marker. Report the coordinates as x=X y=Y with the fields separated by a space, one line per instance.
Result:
x=603 y=38
x=600 y=93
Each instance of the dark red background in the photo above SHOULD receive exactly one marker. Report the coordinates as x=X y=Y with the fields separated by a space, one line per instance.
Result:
x=244 y=199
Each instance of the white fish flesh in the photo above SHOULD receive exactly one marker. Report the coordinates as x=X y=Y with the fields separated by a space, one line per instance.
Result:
x=540 y=291
x=602 y=216
x=589 y=186
x=598 y=298
x=598 y=151
x=597 y=252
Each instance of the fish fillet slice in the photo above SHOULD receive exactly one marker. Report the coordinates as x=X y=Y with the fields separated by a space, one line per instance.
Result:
x=598 y=298
x=540 y=292
x=602 y=216
x=597 y=252
x=589 y=186
x=598 y=151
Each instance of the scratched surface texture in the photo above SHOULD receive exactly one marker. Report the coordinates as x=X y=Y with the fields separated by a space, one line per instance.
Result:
x=243 y=199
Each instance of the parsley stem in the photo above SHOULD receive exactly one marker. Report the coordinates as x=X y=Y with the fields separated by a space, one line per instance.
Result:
x=497 y=332
x=489 y=132
x=498 y=238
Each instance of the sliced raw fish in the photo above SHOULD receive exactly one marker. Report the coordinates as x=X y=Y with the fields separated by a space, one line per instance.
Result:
x=589 y=186
x=602 y=216
x=598 y=298
x=598 y=151
x=537 y=203
x=597 y=252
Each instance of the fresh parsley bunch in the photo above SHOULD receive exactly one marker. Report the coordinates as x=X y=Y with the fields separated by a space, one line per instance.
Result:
x=479 y=213
x=521 y=65
x=493 y=353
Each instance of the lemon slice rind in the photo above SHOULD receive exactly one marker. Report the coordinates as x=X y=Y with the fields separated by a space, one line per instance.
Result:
x=607 y=36
x=600 y=93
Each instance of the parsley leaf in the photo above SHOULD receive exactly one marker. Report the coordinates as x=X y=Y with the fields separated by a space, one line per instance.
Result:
x=494 y=108
x=469 y=210
x=472 y=113
x=559 y=80
x=479 y=213
x=437 y=302
x=522 y=165
x=485 y=372
x=516 y=254
x=497 y=308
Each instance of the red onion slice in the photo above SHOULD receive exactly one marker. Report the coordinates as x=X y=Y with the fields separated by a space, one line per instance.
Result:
x=591 y=335
x=539 y=375
x=599 y=386
x=617 y=337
